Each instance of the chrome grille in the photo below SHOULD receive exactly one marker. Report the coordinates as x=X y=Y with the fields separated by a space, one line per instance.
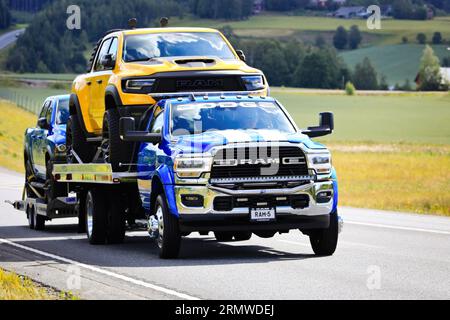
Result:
x=249 y=162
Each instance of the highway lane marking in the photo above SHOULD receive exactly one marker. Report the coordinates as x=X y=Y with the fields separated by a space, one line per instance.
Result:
x=396 y=227
x=46 y=238
x=102 y=271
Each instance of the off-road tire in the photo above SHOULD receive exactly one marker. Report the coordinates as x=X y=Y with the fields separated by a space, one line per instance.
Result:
x=170 y=240
x=119 y=151
x=324 y=241
x=53 y=189
x=30 y=217
x=223 y=236
x=39 y=221
x=116 y=218
x=76 y=140
x=96 y=213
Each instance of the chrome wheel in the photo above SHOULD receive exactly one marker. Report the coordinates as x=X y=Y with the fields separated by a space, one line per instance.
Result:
x=89 y=215
x=159 y=217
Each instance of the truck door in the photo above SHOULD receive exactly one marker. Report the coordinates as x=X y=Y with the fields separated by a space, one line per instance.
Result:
x=38 y=141
x=99 y=81
x=148 y=157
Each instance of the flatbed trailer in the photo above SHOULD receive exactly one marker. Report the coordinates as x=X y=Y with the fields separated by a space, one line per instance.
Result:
x=79 y=179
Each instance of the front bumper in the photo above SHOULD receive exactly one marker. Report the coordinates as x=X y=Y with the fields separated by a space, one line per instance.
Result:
x=206 y=218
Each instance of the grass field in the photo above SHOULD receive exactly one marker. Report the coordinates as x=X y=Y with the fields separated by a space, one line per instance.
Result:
x=13 y=122
x=14 y=287
x=413 y=118
x=397 y=62
x=278 y=24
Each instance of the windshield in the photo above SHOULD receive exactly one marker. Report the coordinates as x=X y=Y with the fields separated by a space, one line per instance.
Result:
x=198 y=117
x=62 y=111
x=143 y=47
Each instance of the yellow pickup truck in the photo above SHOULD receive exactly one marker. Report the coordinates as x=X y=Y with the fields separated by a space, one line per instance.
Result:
x=133 y=69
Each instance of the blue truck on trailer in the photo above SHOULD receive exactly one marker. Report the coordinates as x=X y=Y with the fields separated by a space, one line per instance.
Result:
x=231 y=164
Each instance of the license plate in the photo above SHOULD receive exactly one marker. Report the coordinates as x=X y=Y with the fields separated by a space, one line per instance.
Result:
x=262 y=214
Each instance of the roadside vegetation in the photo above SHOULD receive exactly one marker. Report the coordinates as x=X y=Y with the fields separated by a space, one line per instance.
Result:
x=15 y=287
x=13 y=122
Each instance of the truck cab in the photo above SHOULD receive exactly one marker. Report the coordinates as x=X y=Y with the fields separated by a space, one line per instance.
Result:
x=234 y=165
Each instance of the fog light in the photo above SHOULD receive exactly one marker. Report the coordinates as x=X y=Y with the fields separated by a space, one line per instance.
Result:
x=61 y=148
x=323 y=196
x=192 y=200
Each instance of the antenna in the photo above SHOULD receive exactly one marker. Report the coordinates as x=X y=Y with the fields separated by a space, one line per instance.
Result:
x=163 y=22
x=132 y=23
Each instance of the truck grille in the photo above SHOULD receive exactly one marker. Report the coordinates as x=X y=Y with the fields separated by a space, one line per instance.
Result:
x=250 y=162
x=201 y=84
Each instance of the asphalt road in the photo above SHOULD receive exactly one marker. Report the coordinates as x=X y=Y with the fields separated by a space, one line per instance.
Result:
x=9 y=38
x=381 y=255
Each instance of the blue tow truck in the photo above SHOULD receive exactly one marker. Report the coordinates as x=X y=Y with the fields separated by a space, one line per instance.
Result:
x=231 y=164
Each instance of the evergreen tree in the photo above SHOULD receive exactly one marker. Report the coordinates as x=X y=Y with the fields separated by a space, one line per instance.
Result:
x=5 y=15
x=421 y=38
x=354 y=37
x=340 y=38
x=437 y=38
x=365 y=76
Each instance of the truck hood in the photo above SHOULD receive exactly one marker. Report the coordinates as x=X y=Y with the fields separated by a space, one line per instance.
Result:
x=200 y=143
x=173 y=64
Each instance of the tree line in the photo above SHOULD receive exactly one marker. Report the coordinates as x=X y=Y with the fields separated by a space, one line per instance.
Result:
x=5 y=15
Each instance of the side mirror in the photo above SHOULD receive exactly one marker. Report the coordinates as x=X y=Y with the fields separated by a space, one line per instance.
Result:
x=43 y=124
x=241 y=55
x=107 y=61
x=326 y=126
x=128 y=132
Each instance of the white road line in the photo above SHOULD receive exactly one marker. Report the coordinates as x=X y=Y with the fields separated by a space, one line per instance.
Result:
x=396 y=227
x=103 y=271
x=46 y=238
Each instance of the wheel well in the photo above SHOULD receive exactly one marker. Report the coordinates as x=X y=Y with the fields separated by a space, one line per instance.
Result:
x=109 y=102
x=157 y=189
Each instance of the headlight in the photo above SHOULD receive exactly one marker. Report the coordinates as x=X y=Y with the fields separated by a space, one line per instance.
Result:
x=138 y=85
x=321 y=162
x=192 y=167
x=253 y=82
x=61 y=148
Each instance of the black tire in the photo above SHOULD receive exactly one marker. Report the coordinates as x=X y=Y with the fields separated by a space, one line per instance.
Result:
x=118 y=151
x=82 y=212
x=39 y=221
x=169 y=238
x=53 y=189
x=30 y=217
x=29 y=176
x=76 y=140
x=96 y=216
x=223 y=236
x=116 y=218
x=324 y=241
x=242 y=235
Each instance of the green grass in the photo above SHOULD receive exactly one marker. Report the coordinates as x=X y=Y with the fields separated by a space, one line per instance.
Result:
x=276 y=24
x=413 y=118
x=41 y=76
x=31 y=98
x=397 y=62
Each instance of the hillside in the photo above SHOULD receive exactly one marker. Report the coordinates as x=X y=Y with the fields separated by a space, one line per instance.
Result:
x=397 y=62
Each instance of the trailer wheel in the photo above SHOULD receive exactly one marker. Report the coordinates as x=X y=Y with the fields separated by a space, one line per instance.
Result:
x=116 y=218
x=76 y=141
x=242 y=235
x=223 y=236
x=169 y=238
x=116 y=150
x=30 y=217
x=39 y=221
x=96 y=216
x=324 y=241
